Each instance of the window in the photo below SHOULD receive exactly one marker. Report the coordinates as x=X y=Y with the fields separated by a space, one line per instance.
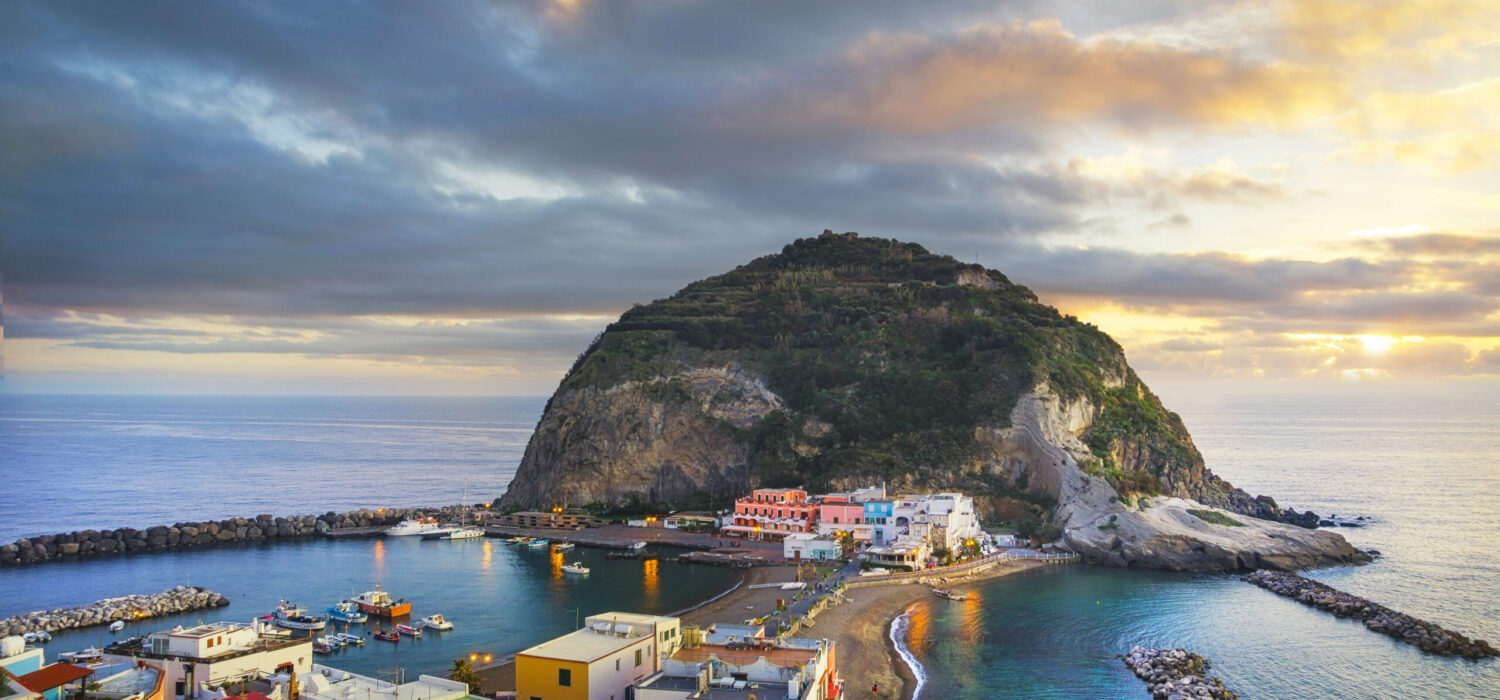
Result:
x=637 y=657
x=565 y=677
x=835 y=520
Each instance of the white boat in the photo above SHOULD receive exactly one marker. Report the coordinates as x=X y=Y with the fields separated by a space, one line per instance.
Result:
x=87 y=655
x=638 y=545
x=437 y=622
x=37 y=637
x=576 y=567
x=117 y=625
x=466 y=533
x=294 y=617
x=562 y=545
x=537 y=544
x=409 y=630
x=439 y=533
x=346 y=611
x=412 y=527
x=347 y=638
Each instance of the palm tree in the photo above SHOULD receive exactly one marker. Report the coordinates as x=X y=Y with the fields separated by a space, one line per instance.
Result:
x=463 y=672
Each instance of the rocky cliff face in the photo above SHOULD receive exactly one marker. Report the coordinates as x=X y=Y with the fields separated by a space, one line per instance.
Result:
x=843 y=362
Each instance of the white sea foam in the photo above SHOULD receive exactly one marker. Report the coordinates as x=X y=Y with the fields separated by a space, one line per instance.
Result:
x=898 y=637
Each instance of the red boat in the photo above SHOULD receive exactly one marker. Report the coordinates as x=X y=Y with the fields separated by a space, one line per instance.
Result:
x=387 y=636
x=380 y=603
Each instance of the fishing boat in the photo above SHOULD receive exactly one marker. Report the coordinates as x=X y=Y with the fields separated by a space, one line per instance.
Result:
x=537 y=544
x=87 y=655
x=406 y=528
x=438 y=533
x=560 y=546
x=437 y=622
x=380 y=603
x=409 y=630
x=331 y=641
x=117 y=625
x=950 y=595
x=346 y=611
x=466 y=533
x=294 y=617
x=320 y=648
x=576 y=567
x=354 y=639
x=386 y=636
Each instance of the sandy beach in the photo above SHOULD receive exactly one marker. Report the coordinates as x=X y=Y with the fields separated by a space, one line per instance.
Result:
x=860 y=626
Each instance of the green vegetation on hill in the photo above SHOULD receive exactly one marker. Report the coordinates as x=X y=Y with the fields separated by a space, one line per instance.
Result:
x=896 y=353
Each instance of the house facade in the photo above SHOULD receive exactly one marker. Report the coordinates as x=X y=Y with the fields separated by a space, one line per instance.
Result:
x=773 y=514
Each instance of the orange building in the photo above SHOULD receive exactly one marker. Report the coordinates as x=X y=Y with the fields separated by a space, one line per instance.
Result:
x=773 y=514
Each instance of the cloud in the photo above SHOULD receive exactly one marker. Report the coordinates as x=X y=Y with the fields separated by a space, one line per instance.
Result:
x=1037 y=71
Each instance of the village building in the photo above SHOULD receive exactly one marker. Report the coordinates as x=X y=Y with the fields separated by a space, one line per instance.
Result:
x=208 y=657
x=599 y=662
x=762 y=668
x=773 y=514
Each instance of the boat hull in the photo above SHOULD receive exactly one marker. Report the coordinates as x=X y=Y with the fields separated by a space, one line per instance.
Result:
x=396 y=610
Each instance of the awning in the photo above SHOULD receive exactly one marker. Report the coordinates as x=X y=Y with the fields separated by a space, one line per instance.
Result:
x=54 y=676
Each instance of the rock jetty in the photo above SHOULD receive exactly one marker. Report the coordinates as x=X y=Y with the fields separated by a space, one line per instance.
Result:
x=185 y=535
x=131 y=607
x=1175 y=674
x=1428 y=636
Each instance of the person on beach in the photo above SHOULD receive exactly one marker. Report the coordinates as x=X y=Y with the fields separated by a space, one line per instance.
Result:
x=875 y=689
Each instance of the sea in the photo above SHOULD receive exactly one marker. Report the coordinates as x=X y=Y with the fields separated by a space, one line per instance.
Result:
x=1423 y=464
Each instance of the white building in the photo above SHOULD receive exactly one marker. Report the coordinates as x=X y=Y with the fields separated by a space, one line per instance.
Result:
x=325 y=683
x=805 y=546
x=918 y=526
x=766 y=669
x=197 y=660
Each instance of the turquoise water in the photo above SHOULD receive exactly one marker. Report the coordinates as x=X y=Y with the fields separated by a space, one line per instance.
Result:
x=1426 y=466
x=500 y=597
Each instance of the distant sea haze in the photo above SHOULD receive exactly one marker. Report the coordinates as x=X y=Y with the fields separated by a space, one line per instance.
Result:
x=78 y=462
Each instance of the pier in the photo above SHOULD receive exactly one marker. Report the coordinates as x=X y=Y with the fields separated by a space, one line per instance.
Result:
x=1175 y=673
x=1400 y=626
x=128 y=608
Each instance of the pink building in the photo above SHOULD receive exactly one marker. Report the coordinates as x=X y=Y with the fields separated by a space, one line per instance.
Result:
x=836 y=516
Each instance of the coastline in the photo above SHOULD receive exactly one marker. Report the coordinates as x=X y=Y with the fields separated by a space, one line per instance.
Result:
x=860 y=627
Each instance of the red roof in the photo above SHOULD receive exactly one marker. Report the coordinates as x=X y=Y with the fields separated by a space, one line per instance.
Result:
x=48 y=677
x=250 y=696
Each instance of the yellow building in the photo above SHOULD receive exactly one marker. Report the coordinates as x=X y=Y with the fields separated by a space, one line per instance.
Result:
x=600 y=661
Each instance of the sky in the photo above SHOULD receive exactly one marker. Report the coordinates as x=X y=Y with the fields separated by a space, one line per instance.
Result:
x=454 y=198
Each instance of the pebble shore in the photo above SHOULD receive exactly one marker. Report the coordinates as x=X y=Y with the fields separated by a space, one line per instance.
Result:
x=185 y=535
x=1175 y=674
x=128 y=608
x=1428 y=636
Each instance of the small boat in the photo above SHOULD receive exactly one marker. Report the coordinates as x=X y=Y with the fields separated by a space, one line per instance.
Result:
x=347 y=638
x=950 y=595
x=537 y=543
x=332 y=642
x=560 y=546
x=117 y=625
x=638 y=545
x=321 y=648
x=386 y=636
x=437 y=622
x=86 y=655
x=409 y=630
x=346 y=611
x=576 y=567
x=294 y=617
x=380 y=603
x=440 y=533
x=466 y=533
x=412 y=527
x=37 y=637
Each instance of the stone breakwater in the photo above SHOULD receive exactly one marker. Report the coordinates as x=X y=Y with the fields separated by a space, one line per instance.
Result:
x=1175 y=674
x=188 y=535
x=1428 y=636
x=131 y=607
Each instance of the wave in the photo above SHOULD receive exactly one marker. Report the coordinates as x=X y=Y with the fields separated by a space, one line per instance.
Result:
x=898 y=638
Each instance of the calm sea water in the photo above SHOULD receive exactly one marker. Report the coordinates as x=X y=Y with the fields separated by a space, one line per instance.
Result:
x=1426 y=465
x=76 y=462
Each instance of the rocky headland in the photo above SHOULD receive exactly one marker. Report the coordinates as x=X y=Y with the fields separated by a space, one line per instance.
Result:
x=845 y=361
x=128 y=608
x=1430 y=637
x=1175 y=674
x=189 y=535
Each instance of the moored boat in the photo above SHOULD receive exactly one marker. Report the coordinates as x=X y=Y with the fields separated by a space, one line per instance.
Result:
x=638 y=545
x=409 y=630
x=562 y=546
x=437 y=622
x=386 y=636
x=117 y=625
x=380 y=604
x=576 y=567
x=439 y=533
x=537 y=543
x=466 y=533
x=37 y=637
x=346 y=611
x=354 y=639
x=407 y=528
x=294 y=617
x=87 y=655
x=321 y=648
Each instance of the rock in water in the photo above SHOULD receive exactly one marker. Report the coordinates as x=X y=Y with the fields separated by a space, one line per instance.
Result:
x=845 y=361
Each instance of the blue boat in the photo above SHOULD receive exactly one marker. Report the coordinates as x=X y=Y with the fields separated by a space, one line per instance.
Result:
x=347 y=638
x=537 y=543
x=346 y=611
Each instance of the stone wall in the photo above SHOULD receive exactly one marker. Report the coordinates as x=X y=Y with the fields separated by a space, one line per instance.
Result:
x=128 y=608
x=187 y=535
